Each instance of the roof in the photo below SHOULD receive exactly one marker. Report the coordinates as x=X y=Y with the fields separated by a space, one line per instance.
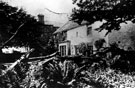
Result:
x=69 y=25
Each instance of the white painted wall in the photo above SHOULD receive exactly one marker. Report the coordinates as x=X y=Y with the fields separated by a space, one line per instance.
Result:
x=82 y=35
x=79 y=35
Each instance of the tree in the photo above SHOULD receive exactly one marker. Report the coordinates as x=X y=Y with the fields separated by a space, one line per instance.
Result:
x=22 y=27
x=114 y=12
x=99 y=43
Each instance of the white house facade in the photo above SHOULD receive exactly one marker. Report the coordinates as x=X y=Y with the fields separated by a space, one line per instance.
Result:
x=77 y=34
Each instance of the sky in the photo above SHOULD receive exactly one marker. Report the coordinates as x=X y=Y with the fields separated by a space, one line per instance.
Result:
x=35 y=6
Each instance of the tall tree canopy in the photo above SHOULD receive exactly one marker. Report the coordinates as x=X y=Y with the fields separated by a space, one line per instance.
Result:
x=14 y=21
x=114 y=12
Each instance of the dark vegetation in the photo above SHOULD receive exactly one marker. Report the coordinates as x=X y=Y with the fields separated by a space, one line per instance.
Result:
x=72 y=72
x=16 y=20
x=113 y=12
x=17 y=28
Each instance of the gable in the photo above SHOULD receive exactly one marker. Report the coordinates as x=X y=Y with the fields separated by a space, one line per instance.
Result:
x=70 y=25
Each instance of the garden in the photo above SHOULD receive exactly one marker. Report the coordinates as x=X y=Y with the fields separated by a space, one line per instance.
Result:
x=104 y=69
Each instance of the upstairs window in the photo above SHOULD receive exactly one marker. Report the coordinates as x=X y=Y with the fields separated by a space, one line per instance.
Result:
x=76 y=34
x=89 y=30
x=63 y=36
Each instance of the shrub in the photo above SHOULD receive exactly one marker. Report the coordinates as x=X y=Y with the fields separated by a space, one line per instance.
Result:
x=109 y=78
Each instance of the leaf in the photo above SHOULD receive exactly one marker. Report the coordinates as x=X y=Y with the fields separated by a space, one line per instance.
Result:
x=114 y=12
x=78 y=71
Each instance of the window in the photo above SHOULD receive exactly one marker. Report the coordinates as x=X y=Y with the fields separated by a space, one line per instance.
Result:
x=89 y=30
x=64 y=36
x=63 y=50
x=76 y=34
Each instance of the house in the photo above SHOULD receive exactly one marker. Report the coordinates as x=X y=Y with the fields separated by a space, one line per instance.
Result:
x=74 y=39
x=47 y=30
x=45 y=37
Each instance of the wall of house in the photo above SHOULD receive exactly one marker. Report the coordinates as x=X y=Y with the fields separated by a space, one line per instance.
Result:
x=79 y=35
x=83 y=34
x=47 y=33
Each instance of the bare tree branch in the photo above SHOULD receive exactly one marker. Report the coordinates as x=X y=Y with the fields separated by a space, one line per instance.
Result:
x=12 y=36
x=18 y=61
x=42 y=57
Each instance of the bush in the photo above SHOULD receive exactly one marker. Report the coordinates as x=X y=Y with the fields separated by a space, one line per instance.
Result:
x=109 y=78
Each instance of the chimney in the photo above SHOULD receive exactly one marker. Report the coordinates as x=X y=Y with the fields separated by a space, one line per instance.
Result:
x=41 y=18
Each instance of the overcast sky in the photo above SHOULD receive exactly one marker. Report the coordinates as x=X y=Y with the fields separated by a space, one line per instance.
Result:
x=36 y=6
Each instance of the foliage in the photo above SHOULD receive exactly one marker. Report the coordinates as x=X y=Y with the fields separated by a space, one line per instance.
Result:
x=120 y=59
x=83 y=48
x=99 y=43
x=11 y=20
x=61 y=74
x=33 y=76
x=112 y=57
x=109 y=68
x=113 y=12
x=13 y=78
x=109 y=78
x=65 y=74
x=50 y=48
